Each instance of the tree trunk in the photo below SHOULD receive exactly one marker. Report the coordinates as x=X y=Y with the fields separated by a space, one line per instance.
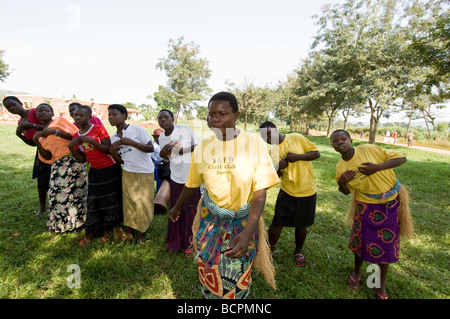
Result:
x=375 y=115
x=409 y=122
x=291 y=126
x=426 y=123
x=330 y=120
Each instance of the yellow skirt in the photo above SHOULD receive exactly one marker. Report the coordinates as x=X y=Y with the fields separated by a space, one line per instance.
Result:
x=138 y=193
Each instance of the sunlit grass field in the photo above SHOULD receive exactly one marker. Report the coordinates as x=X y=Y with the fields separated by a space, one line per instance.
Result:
x=34 y=263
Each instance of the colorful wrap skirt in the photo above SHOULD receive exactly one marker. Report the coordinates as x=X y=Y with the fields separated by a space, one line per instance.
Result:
x=220 y=276
x=375 y=232
x=67 y=195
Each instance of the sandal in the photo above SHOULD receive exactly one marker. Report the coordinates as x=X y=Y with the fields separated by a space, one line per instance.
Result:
x=380 y=296
x=84 y=241
x=105 y=238
x=189 y=253
x=37 y=213
x=299 y=260
x=353 y=283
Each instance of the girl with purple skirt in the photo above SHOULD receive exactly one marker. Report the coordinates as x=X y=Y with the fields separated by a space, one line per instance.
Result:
x=177 y=143
x=379 y=211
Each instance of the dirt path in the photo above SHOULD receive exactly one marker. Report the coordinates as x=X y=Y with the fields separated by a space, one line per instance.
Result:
x=417 y=147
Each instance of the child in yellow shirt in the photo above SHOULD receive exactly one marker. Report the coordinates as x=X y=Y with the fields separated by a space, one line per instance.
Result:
x=366 y=171
x=296 y=202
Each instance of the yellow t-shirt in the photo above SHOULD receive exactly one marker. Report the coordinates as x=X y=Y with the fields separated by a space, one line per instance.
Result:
x=232 y=170
x=297 y=178
x=377 y=183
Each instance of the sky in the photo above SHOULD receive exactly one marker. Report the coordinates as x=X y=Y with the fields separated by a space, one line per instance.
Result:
x=108 y=50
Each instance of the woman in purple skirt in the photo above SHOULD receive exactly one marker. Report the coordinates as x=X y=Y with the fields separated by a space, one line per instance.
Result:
x=366 y=171
x=177 y=143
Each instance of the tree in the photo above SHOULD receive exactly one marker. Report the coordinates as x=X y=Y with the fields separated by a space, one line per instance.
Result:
x=187 y=77
x=361 y=44
x=430 y=41
x=254 y=102
x=4 y=68
x=287 y=101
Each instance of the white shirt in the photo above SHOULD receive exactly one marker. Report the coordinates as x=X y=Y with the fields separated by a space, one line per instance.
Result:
x=134 y=160
x=179 y=164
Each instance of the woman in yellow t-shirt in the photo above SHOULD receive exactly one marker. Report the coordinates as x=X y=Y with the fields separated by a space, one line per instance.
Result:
x=236 y=170
x=366 y=171
x=296 y=202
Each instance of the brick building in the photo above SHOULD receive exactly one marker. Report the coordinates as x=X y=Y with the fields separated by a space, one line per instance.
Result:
x=60 y=107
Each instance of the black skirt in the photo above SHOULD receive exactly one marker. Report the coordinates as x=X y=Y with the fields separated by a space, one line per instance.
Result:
x=104 y=200
x=42 y=172
x=290 y=211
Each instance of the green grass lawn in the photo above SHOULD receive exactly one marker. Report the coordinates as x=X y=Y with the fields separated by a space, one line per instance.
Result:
x=34 y=263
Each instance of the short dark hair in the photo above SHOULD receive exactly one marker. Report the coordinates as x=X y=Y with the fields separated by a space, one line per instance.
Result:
x=44 y=104
x=340 y=131
x=15 y=99
x=226 y=96
x=168 y=111
x=85 y=107
x=119 y=107
x=76 y=104
x=267 y=124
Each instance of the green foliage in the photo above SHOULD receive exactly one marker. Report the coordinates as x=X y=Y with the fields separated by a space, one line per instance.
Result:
x=187 y=77
x=34 y=263
x=4 y=68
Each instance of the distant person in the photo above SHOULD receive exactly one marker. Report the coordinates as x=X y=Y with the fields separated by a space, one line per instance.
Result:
x=361 y=134
x=162 y=165
x=379 y=209
x=131 y=146
x=68 y=187
x=410 y=137
x=94 y=120
x=177 y=143
x=296 y=202
x=27 y=126
x=395 y=139
x=91 y=144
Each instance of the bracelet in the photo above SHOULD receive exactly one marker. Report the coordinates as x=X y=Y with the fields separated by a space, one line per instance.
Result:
x=56 y=132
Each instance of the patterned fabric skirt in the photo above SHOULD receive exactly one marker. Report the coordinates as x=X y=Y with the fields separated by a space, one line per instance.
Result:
x=179 y=233
x=67 y=195
x=229 y=278
x=222 y=277
x=104 y=203
x=375 y=232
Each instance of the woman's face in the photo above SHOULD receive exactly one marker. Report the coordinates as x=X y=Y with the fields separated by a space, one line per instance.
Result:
x=165 y=121
x=81 y=117
x=44 y=113
x=13 y=106
x=221 y=116
x=115 y=117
